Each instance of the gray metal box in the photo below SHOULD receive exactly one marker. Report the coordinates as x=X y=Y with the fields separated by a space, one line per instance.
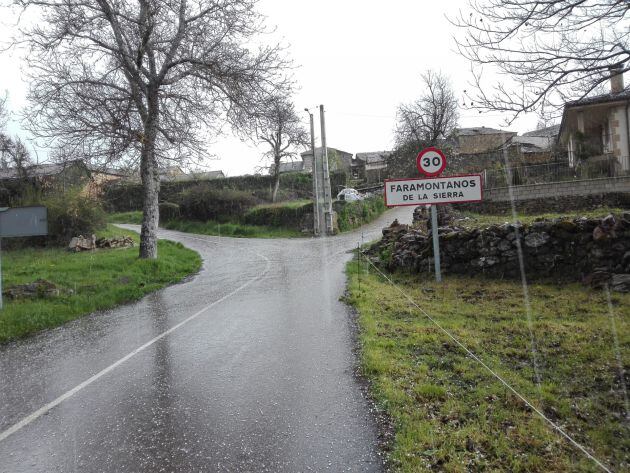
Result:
x=23 y=221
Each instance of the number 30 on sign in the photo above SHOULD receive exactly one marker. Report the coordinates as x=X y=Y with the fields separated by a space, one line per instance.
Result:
x=431 y=162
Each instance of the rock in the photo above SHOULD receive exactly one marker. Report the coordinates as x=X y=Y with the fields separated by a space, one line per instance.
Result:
x=598 y=279
x=82 y=243
x=620 y=282
x=599 y=234
x=567 y=226
x=485 y=261
x=504 y=245
x=37 y=289
x=535 y=240
x=608 y=222
x=409 y=238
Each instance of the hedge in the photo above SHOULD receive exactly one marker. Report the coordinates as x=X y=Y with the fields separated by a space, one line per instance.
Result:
x=285 y=217
x=125 y=197
x=203 y=204
x=354 y=214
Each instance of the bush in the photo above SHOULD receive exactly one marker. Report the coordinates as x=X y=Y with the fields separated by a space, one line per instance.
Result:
x=354 y=214
x=202 y=203
x=278 y=216
x=169 y=211
x=124 y=197
x=71 y=214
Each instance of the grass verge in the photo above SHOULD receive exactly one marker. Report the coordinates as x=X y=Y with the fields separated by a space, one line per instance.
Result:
x=351 y=215
x=483 y=220
x=230 y=229
x=449 y=414
x=89 y=281
x=134 y=217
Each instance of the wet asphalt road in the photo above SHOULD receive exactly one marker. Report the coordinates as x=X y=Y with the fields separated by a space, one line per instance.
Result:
x=255 y=372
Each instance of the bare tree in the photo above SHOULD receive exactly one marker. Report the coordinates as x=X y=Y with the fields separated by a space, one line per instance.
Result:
x=13 y=151
x=4 y=113
x=145 y=80
x=276 y=125
x=553 y=51
x=430 y=117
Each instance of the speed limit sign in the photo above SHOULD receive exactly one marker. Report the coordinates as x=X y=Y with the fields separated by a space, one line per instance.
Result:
x=431 y=162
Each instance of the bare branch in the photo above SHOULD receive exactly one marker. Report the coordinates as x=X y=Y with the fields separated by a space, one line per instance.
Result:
x=552 y=51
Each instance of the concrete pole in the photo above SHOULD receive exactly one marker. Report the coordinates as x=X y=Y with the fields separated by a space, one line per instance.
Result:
x=316 y=204
x=326 y=183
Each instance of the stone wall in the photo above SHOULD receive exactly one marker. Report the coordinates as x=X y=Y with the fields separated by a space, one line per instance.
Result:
x=596 y=251
x=551 y=204
x=556 y=196
x=481 y=142
x=560 y=189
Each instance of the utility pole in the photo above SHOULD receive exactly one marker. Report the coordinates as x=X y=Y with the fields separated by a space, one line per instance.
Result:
x=316 y=204
x=326 y=184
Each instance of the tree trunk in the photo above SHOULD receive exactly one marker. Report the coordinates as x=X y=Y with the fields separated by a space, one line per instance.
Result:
x=150 y=185
x=276 y=183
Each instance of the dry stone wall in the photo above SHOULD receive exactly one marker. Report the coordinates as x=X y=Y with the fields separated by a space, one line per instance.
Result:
x=595 y=251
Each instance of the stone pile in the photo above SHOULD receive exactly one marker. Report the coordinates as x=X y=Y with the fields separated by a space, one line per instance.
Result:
x=115 y=242
x=596 y=251
x=37 y=289
x=422 y=216
x=82 y=243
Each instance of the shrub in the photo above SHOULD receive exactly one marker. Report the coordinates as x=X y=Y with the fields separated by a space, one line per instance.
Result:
x=354 y=214
x=169 y=211
x=202 y=203
x=278 y=216
x=123 y=197
x=71 y=214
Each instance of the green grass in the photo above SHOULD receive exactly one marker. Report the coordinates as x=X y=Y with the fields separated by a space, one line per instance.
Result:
x=99 y=280
x=290 y=204
x=230 y=229
x=134 y=217
x=483 y=220
x=449 y=414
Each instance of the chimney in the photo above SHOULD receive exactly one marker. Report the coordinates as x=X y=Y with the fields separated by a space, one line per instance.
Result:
x=616 y=78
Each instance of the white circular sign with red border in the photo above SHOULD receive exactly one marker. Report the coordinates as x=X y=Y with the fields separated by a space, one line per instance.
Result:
x=431 y=162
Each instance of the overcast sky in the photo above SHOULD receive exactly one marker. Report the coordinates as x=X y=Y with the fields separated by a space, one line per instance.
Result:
x=360 y=58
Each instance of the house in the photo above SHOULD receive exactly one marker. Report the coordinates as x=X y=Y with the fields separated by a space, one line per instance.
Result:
x=533 y=147
x=548 y=132
x=171 y=173
x=479 y=139
x=597 y=128
x=337 y=160
x=371 y=166
x=205 y=175
x=291 y=166
x=177 y=174
x=63 y=175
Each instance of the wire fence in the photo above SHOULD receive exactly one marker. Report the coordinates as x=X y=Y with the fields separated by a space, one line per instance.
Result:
x=552 y=172
x=361 y=256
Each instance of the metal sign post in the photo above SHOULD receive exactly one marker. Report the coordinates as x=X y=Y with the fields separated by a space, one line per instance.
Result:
x=433 y=190
x=21 y=222
x=436 y=243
